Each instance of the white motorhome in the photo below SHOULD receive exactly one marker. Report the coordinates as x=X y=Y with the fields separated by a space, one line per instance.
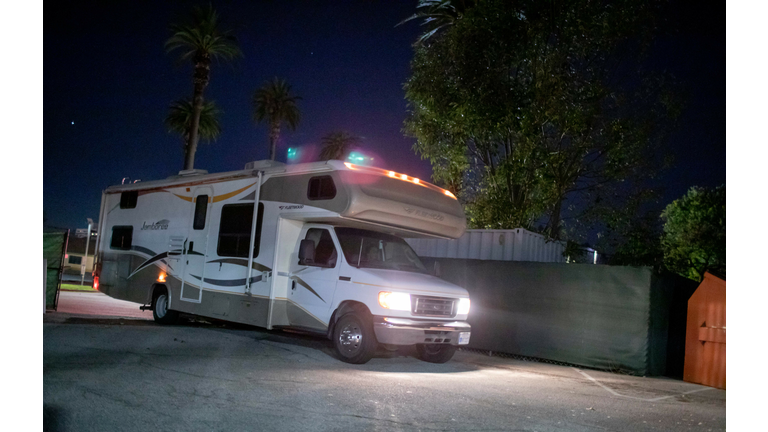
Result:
x=327 y=253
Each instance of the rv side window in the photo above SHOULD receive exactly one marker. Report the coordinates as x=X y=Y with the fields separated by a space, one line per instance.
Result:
x=122 y=237
x=75 y=259
x=201 y=208
x=235 y=230
x=128 y=199
x=321 y=188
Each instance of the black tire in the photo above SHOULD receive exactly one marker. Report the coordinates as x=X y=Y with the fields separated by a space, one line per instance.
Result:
x=160 y=311
x=354 y=339
x=435 y=353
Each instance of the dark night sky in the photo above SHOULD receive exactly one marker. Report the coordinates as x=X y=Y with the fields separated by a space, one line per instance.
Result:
x=105 y=69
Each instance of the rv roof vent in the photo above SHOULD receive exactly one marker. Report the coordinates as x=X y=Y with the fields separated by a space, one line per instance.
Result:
x=262 y=164
x=192 y=172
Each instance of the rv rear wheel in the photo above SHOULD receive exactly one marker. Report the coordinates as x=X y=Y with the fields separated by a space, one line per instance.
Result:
x=160 y=311
x=353 y=338
x=435 y=353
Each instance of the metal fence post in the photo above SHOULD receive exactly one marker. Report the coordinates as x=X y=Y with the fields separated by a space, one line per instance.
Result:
x=45 y=282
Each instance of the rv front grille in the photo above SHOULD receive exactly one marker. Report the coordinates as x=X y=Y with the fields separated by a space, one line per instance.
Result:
x=433 y=306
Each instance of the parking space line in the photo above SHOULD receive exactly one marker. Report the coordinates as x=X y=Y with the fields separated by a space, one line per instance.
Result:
x=634 y=397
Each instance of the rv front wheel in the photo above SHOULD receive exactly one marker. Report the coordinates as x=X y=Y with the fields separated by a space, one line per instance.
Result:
x=353 y=338
x=435 y=353
x=160 y=311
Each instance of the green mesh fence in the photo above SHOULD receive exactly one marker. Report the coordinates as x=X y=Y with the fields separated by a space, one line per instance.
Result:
x=53 y=251
x=603 y=317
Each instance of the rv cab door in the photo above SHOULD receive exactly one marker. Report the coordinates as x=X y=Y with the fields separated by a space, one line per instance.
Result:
x=313 y=283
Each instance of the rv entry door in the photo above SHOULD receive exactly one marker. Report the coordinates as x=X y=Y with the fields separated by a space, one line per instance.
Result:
x=195 y=248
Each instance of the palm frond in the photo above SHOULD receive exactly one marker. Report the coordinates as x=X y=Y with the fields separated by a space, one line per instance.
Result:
x=337 y=145
x=438 y=14
x=275 y=103
x=179 y=119
x=202 y=36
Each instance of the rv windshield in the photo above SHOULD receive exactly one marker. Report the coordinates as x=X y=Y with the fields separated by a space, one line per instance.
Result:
x=371 y=249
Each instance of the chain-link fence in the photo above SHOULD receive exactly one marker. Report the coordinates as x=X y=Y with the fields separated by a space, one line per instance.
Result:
x=54 y=247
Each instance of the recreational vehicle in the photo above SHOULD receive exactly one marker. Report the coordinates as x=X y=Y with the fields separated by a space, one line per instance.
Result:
x=328 y=255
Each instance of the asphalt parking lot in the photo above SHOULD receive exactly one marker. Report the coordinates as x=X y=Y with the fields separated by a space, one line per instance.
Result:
x=103 y=372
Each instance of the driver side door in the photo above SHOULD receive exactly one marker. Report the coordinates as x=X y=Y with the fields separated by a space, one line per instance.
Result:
x=312 y=286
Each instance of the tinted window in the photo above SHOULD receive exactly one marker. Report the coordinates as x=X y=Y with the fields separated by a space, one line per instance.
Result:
x=122 y=236
x=201 y=208
x=75 y=259
x=128 y=199
x=235 y=230
x=325 y=251
x=321 y=188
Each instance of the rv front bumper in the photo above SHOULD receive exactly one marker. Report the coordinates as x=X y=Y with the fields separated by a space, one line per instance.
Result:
x=405 y=331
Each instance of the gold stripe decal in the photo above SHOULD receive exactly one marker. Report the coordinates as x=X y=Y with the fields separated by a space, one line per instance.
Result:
x=219 y=197
x=184 y=198
x=231 y=194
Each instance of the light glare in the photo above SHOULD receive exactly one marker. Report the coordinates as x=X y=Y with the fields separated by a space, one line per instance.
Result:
x=404 y=177
x=463 y=306
x=395 y=301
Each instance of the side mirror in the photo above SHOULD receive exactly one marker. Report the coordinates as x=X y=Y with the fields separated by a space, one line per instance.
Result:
x=307 y=252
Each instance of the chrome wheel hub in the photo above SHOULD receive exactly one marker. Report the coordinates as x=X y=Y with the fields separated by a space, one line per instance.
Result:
x=350 y=339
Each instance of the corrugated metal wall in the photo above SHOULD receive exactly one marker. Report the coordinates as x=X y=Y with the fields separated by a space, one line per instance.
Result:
x=495 y=245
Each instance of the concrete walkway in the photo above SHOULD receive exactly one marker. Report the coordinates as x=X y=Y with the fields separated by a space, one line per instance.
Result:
x=95 y=304
x=75 y=278
x=133 y=374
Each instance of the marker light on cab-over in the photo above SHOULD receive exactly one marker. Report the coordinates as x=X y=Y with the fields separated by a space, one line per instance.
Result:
x=399 y=176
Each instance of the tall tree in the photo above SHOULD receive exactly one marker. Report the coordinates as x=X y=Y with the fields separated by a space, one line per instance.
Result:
x=337 y=145
x=200 y=40
x=531 y=111
x=694 y=233
x=274 y=103
x=180 y=117
x=438 y=14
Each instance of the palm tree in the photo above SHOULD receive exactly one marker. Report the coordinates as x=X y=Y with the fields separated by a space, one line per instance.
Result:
x=275 y=103
x=200 y=41
x=180 y=117
x=336 y=145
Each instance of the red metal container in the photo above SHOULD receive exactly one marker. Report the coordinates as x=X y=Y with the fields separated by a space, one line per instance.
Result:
x=705 y=334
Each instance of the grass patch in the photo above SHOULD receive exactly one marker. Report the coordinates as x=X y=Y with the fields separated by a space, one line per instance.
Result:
x=78 y=287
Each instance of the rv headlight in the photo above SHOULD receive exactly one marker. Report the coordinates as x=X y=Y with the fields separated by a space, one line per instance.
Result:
x=395 y=301
x=463 y=306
